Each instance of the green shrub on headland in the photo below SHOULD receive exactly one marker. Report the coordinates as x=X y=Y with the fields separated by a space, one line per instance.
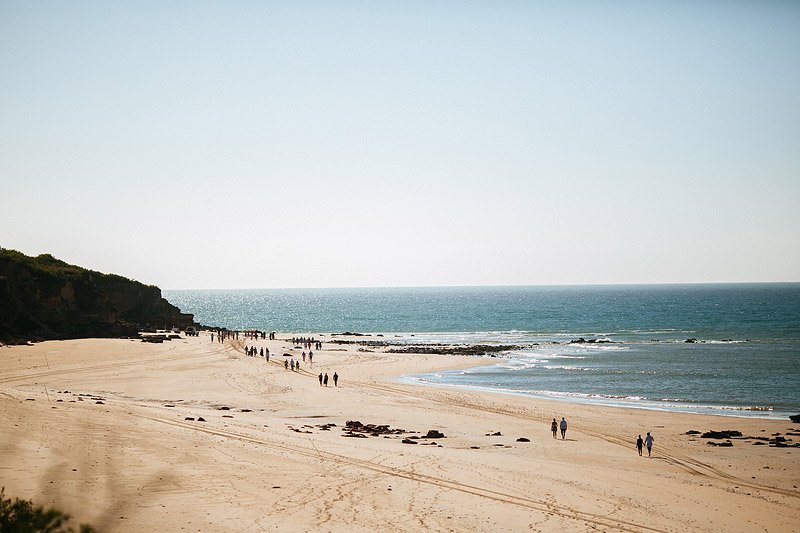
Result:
x=22 y=516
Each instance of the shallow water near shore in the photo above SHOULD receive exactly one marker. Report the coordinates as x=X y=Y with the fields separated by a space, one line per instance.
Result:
x=744 y=359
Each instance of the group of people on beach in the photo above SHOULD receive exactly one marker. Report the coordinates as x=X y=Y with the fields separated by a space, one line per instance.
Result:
x=323 y=379
x=223 y=334
x=307 y=342
x=647 y=441
x=252 y=351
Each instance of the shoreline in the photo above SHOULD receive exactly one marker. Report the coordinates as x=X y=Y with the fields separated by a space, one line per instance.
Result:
x=600 y=401
x=109 y=430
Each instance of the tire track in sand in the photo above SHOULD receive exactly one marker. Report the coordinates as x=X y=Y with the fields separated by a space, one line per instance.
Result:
x=687 y=463
x=107 y=366
x=439 y=482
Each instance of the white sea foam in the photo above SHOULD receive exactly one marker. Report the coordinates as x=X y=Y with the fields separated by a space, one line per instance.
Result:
x=640 y=402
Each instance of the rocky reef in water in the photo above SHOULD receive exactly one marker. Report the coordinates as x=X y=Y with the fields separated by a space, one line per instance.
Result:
x=44 y=298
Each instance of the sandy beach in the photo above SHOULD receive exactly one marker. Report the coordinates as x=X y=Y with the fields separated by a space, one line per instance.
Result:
x=111 y=432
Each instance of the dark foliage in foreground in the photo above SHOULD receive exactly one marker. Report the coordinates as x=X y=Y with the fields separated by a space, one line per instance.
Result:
x=22 y=516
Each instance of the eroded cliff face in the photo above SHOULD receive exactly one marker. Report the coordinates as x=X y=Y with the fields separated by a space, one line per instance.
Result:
x=42 y=298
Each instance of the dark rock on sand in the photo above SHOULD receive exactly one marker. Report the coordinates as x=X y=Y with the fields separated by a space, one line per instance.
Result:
x=408 y=441
x=692 y=432
x=726 y=444
x=727 y=434
x=201 y=419
x=375 y=430
x=795 y=418
x=434 y=434
x=523 y=439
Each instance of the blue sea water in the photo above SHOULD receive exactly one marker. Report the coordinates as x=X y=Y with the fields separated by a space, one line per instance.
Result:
x=746 y=361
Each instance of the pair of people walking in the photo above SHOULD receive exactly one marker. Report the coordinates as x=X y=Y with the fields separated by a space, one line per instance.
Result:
x=648 y=441
x=555 y=426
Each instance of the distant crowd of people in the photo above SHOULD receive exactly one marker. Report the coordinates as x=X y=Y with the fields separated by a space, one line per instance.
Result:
x=252 y=351
x=307 y=342
x=221 y=335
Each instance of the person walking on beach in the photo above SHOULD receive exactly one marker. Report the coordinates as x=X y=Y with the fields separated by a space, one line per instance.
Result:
x=325 y=379
x=335 y=379
x=648 y=441
x=554 y=428
x=563 y=427
x=320 y=379
x=639 y=443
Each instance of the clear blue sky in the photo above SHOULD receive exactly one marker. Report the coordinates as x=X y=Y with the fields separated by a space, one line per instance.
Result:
x=313 y=144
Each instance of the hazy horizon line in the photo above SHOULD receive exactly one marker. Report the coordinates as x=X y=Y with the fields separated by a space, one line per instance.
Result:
x=633 y=284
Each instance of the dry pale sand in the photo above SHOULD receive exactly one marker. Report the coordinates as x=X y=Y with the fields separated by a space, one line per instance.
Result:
x=99 y=428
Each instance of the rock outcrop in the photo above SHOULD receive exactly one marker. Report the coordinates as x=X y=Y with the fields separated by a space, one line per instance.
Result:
x=43 y=298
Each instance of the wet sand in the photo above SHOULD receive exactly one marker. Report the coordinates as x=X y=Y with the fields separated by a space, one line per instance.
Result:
x=109 y=431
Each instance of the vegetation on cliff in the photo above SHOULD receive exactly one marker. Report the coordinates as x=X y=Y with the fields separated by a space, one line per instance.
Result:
x=43 y=298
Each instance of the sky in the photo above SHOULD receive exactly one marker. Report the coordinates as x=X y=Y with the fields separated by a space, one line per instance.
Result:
x=358 y=144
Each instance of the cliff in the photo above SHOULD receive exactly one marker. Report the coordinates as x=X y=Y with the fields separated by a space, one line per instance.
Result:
x=43 y=298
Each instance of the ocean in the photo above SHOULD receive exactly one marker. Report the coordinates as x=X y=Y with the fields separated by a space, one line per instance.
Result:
x=744 y=358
